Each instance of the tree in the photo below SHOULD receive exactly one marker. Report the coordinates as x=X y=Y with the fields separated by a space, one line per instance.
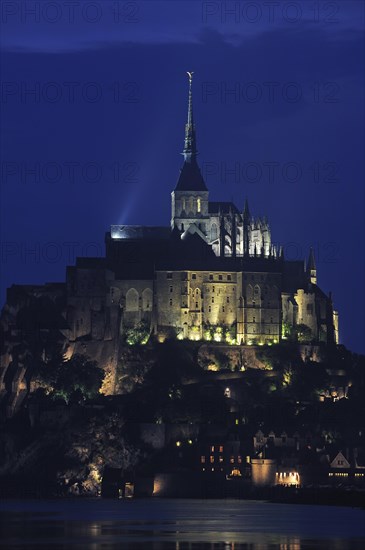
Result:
x=76 y=379
x=138 y=335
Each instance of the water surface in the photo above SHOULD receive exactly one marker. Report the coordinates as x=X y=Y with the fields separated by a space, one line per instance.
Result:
x=178 y=524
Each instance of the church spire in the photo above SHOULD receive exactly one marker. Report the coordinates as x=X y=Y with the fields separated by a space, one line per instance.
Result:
x=190 y=151
x=190 y=178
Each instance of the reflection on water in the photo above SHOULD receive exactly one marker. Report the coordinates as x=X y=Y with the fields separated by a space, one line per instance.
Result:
x=178 y=525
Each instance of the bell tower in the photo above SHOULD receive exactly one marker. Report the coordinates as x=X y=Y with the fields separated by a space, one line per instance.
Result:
x=189 y=199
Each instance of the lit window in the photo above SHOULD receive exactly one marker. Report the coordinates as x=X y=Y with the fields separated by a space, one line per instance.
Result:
x=202 y=459
x=198 y=204
x=221 y=459
x=212 y=459
x=221 y=449
x=212 y=448
x=231 y=460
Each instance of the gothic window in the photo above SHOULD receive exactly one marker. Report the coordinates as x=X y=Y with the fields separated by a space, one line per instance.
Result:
x=212 y=299
x=147 y=299
x=254 y=319
x=214 y=232
x=209 y=309
x=131 y=300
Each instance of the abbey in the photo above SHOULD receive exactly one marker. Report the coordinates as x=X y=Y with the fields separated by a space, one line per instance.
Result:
x=212 y=273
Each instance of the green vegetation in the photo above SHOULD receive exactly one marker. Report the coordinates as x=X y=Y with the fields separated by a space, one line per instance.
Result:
x=73 y=380
x=138 y=335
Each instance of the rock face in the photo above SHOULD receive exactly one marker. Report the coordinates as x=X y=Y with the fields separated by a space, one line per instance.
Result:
x=37 y=319
x=67 y=453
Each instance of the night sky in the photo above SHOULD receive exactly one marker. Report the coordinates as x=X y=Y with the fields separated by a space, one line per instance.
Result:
x=278 y=97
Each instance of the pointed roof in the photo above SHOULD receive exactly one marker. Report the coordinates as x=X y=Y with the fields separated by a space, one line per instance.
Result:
x=190 y=178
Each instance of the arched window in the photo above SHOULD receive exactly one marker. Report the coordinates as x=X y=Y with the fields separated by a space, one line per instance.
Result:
x=147 y=299
x=131 y=301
